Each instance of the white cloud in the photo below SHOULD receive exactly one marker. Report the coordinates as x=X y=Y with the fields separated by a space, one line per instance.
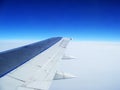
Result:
x=9 y=44
x=97 y=66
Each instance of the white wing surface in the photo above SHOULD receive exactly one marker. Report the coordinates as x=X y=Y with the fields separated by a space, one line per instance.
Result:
x=31 y=67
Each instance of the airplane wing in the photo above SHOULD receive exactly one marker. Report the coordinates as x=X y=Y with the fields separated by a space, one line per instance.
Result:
x=31 y=67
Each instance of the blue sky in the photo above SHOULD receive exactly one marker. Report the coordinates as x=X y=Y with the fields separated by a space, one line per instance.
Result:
x=89 y=20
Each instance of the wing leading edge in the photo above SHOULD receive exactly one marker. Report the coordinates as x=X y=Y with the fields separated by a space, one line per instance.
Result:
x=31 y=67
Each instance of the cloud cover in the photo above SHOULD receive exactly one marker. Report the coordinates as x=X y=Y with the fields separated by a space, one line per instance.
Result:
x=96 y=67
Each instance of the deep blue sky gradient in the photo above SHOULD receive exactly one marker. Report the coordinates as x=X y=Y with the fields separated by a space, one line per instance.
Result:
x=92 y=20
